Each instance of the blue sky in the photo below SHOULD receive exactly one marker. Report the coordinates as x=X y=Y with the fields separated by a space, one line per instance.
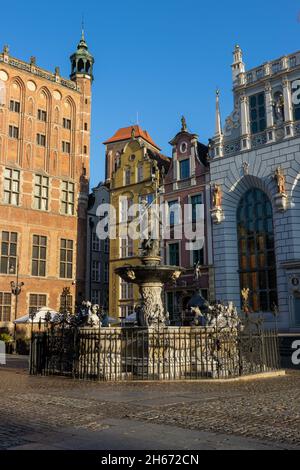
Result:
x=160 y=58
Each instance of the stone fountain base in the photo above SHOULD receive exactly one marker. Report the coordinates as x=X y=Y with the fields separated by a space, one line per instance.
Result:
x=166 y=353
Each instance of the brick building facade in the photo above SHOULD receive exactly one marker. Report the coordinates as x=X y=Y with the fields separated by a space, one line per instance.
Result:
x=44 y=174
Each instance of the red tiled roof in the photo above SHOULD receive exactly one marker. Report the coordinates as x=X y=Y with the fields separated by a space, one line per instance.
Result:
x=125 y=133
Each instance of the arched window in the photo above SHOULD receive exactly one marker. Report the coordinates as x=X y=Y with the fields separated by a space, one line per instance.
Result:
x=257 y=261
x=80 y=66
x=2 y=93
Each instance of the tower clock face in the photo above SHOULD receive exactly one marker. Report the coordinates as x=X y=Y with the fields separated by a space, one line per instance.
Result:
x=183 y=147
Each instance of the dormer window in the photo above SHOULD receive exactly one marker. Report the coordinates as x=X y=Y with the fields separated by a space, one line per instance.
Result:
x=257 y=113
x=184 y=169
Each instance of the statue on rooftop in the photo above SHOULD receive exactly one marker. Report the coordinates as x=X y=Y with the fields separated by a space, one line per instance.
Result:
x=278 y=107
x=183 y=124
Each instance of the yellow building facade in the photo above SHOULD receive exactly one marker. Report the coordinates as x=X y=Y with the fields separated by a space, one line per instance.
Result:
x=135 y=170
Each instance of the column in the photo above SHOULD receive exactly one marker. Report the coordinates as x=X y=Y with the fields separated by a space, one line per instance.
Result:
x=288 y=108
x=245 y=124
x=175 y=170
x=269 y=112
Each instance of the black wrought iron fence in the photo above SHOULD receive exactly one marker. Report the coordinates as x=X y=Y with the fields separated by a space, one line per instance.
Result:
x=172 y=353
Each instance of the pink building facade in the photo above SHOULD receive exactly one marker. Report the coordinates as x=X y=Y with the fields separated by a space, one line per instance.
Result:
x=187 y=183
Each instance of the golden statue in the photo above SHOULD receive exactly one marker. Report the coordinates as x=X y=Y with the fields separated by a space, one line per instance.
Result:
x=280 y=179
x=245 y=296
x=217 y=196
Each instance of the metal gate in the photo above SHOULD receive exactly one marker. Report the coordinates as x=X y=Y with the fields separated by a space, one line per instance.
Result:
x=172 y=353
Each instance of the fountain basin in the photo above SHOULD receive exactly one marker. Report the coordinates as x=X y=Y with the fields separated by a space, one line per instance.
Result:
x=145 y=274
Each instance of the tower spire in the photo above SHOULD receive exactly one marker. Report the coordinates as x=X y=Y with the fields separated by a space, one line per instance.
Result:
x=218 y=127
x=238 y=65
x=82 y=60
x=82 y=28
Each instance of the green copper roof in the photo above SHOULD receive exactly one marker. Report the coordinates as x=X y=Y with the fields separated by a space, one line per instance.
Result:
x=82 y=48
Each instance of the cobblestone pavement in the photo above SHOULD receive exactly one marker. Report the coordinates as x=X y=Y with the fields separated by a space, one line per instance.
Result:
x=264 y=412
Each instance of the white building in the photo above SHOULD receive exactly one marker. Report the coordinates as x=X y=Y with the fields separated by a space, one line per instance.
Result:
x=255 y=172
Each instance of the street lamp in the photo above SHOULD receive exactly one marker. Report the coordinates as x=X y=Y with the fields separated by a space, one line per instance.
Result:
x=16 y=286
x=16 y=289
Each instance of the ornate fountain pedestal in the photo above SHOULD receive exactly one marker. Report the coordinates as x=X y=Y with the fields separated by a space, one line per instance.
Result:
x=150 y=277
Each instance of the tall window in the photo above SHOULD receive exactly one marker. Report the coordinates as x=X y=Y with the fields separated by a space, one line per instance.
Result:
x=95 y=296
x=39 y=255
x=66 y=303
x=14 y=106
x=66 y=259
x=106 y=272
x=36 y=301
x=11 y=186
x=173 y=213
x=184 y=169
x=41 y=192
x=140 y=173
x=297 y=310
x=257 y=259
x=42 y=115
x=67 y=202
x=13 y=132
x=41 y=140
x=257 y=113
x=126 y=290
x=297 y=112
x=106 y=245
x=195 y=202
x=124 y=206
x=96 y=271
x=67 y=123
x=66 y=147
x=174 y=254
x=8 y=263
x=5 y=306
x=127 y=176
x=126 y=247
x=95 y=242
x=198 y=256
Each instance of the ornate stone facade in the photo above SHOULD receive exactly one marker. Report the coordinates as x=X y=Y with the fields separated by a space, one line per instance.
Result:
x=261 y=153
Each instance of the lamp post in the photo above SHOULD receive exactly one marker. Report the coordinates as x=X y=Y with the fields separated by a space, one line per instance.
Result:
x=16 y=289
x=66 y=292
x=91 y=225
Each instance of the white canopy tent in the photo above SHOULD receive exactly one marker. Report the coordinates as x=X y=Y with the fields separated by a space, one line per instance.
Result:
x=39 y=317
x=131 y=318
